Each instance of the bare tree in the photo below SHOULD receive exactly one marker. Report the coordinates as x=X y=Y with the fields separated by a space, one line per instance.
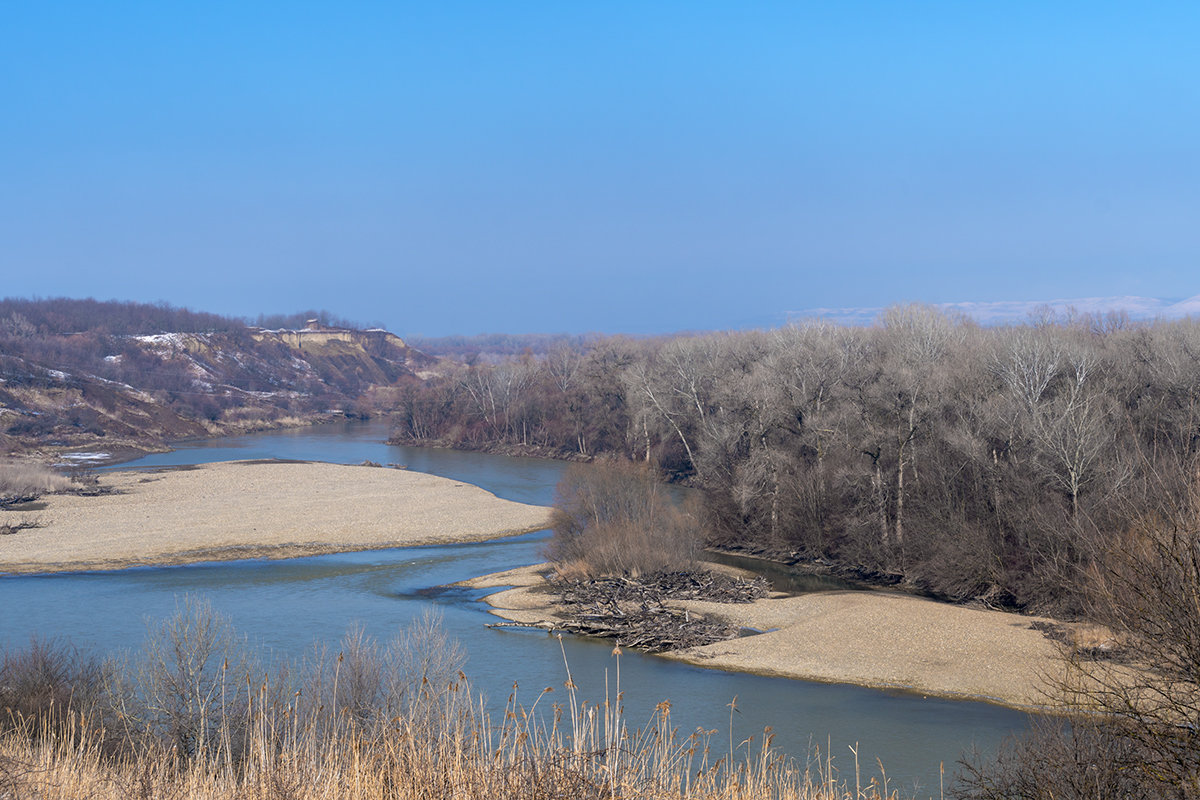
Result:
x=194 y=677
x=1075 y=430
x=960 y=458
x=811 y=363
x=1027 y=361
x=654 y=395
x=918 y=339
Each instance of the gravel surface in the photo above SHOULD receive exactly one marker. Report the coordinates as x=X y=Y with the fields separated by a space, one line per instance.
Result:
x=246 y=509
x=887 y=640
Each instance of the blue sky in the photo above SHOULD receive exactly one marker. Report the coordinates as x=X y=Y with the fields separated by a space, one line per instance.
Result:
x=460 y=167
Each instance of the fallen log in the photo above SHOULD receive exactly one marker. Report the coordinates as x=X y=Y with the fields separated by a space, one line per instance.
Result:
x=512 y=624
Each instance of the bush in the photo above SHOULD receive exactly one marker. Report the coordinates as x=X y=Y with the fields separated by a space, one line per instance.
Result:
x=615 y=517
x=1080 y=760
x=48 y=686
x=197 y=686
x=195 y=678
x=1134 y=730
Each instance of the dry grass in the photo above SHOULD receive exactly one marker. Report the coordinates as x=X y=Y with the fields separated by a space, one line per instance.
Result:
x=1095 y=638
x=334 y=736
x=474 y=760
x=26 y=480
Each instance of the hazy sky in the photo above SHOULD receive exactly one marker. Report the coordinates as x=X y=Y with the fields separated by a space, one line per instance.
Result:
x=459 y=167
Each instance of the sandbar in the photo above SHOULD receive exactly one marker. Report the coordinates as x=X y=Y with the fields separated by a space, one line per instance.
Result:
x=880 y=639
x=253 y=509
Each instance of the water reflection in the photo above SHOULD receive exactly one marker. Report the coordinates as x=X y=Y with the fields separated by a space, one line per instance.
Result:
x=525 y=480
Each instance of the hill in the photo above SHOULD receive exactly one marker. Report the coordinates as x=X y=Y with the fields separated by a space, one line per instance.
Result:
x=80 y=374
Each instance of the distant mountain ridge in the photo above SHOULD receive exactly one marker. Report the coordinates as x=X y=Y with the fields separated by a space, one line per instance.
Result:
x=1003 y=312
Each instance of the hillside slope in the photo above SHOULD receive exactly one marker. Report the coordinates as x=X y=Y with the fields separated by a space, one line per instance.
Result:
x=121 y=392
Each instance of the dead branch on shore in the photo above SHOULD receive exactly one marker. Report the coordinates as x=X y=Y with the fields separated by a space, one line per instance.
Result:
x=9 y=528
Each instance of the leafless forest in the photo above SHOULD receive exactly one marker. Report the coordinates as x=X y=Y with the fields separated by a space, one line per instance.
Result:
x=968 y=462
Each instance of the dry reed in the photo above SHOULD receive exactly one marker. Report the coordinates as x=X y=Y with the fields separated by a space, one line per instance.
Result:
x=279 y=742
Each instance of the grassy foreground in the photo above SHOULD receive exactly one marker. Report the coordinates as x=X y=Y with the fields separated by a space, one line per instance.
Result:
x=193 y=718
x=512 y=761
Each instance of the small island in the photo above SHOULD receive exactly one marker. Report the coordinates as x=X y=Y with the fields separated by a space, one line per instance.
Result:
x=252 y=509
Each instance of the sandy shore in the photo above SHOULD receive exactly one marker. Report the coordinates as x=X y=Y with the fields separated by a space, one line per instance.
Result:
x=869 y=638
x=249 y=509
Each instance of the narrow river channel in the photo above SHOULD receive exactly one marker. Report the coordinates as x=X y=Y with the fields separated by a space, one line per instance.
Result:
x=288 y=606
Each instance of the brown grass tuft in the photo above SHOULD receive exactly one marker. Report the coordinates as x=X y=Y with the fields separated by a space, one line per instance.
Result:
x=27 y=480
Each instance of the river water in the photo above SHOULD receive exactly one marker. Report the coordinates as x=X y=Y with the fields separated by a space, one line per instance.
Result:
x=289 y=605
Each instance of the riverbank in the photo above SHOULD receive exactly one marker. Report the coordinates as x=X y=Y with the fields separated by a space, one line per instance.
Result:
x=253 y=509
x=870 y=638
x=512 y=449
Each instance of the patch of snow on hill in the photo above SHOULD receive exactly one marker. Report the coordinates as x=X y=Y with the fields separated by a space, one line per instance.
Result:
x=172 y=339
x=69 y=459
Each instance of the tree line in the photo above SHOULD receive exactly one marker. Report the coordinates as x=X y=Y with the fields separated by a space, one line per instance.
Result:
x=968 y=462
x=24 y=318
x=497 y=346
x=59 y=316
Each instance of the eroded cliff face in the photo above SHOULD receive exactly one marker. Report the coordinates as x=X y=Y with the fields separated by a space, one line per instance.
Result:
x=121 y=393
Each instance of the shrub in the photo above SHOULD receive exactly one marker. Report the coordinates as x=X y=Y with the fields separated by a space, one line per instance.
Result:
x=47 y=686
x=616 y=517
x=1081 y=760
x=1134 y=730
x=195 y=677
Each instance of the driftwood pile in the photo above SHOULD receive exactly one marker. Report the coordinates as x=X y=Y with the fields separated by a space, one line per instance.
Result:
x=634 y=612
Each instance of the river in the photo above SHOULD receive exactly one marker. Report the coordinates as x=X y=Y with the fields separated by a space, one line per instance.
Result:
x=289 y=605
